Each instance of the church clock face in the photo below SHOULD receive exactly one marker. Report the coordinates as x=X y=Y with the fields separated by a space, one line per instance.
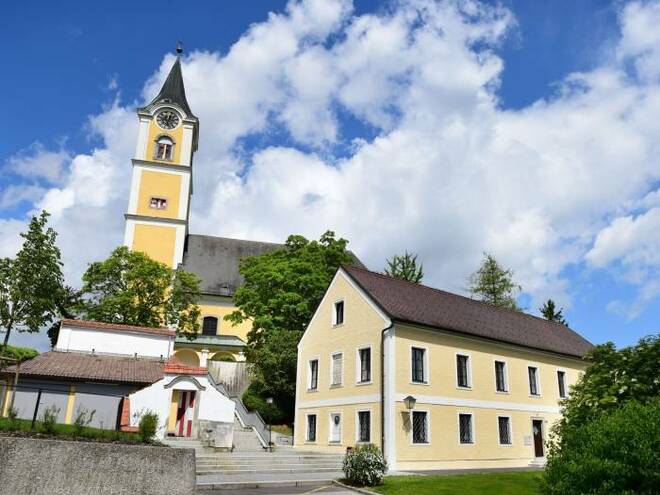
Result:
x=167 y=119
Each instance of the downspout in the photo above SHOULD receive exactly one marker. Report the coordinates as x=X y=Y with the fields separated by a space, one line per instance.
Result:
x=382 y=387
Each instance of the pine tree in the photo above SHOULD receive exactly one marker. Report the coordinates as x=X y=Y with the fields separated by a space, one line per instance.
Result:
x=405 y=267
x=549 y=312
x=493 y=284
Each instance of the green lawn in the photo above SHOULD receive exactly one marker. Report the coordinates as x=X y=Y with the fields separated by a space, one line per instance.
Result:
x=22 y=427
x=521 y=483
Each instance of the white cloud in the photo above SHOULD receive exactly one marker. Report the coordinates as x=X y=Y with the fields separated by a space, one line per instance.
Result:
x=38 y=163
x=448 y=175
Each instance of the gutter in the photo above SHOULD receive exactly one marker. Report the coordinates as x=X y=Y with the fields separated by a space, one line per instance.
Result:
x=382 y=386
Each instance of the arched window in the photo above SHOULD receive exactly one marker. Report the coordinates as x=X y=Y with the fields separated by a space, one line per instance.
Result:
x=164 y=148
x=210 y=325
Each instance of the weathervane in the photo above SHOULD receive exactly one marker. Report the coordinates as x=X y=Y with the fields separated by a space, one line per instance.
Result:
x=179 y=47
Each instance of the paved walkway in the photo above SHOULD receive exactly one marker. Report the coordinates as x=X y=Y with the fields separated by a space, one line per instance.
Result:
x=285 y=490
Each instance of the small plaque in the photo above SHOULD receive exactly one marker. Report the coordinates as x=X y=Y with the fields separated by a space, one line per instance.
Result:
x=527 y=440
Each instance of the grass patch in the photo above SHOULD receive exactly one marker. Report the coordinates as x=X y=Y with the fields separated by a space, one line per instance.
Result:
x=513 y=483
x=282 y=429
x=22 y=428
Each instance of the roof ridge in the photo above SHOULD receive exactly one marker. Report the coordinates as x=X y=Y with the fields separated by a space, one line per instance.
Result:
x=236 y=239
x=453 y=294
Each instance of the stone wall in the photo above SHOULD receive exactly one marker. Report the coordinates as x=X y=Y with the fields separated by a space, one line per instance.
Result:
x=56 y=467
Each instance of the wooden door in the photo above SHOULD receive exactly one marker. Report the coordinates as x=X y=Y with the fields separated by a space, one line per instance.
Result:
x=185 y=412
x=537 y=430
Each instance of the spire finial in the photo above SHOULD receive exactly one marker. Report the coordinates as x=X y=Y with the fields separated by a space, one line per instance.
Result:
x=179 y=47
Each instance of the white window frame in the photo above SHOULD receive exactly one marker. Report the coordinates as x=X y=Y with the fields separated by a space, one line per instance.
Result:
x=309 y=373
x=332 y=369
x=458 y=426
x=426 y=365
x=469 y=370
x=334 y=313
x=158 y=199
x=565 y=382
x=538 y=380
x=341 y=427
x=316 y=427
x=428 y=427
x=510 y=430
x=358 y=365
x=506 y=376
x=357 y=426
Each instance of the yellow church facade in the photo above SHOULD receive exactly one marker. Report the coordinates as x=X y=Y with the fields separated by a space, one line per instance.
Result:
x=157 y=222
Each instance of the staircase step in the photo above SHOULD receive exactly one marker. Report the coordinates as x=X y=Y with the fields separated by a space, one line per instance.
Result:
x=242 y=485
x=273 y=471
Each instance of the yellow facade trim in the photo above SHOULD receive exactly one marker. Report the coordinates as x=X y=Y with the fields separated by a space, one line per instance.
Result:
x=69 y=405
x=171 y=420
x=7 y=398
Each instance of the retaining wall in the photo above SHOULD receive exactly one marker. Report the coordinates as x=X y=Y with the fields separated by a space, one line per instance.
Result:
x=54 y=467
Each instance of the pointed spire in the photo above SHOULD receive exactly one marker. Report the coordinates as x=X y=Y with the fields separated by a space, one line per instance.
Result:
x=173 y=90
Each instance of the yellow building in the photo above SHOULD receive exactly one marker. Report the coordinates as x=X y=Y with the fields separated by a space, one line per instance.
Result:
x=437 y=380
x=158 y=214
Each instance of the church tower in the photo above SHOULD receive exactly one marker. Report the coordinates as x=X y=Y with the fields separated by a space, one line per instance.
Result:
x=161 y=185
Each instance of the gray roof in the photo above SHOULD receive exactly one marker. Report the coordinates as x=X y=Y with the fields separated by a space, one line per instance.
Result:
x=173 y=90
x=212 y=340
x=215 y=261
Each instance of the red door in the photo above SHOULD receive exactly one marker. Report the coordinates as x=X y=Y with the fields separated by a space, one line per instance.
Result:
x=184 y=413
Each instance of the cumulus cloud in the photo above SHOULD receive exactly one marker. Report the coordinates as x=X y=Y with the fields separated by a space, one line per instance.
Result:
x=435 y=165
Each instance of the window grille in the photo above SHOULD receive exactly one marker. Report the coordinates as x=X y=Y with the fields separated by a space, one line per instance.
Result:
x=420 y=427
x=462 y=371
x=561 y=382
x=364 y=426
x=418 y=364
x=500 y=378
x=337 y=366
x=314 y=374
x=505 y=430
x=209 y=325
x=533 y=383
x=465 y=428
x=311 y=428
x=365 y=365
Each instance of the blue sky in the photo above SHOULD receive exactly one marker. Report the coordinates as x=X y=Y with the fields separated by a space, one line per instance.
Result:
x=73 y=72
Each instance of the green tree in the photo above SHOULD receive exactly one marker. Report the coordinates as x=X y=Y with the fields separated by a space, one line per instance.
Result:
x=404 y=266
x=31 y=283
x=68 y=305
x=130 y=288
x=281 y=291
x=550 y=313
x=493 y=284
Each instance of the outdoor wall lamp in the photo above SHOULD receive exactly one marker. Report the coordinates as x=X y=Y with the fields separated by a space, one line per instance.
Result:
x=410 y=402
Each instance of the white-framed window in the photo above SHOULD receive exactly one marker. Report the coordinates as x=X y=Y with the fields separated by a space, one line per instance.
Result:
x=561 y=383
x=313 y=382
x=363 y=365
x=504 y=430
x=336 y=369
x=420 y=427
x=164 y=148
x=463 y=372
x=338 y=313
x=465 y=428
x=533 y=374
x=158 y=203
x=418 y=365
x=501 y=376
x=363 y=426
x=310 y=431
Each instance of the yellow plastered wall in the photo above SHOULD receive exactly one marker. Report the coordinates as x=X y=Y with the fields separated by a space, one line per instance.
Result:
x=160 y=185
x=361 y=328
x=156 y=241
x=171 y=419
x=156 y=132
x=220 y=309
x=71 y=400
x=187 y=356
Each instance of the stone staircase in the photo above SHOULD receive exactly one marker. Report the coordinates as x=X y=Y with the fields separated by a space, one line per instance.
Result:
x=256 y=469
x=245 y=439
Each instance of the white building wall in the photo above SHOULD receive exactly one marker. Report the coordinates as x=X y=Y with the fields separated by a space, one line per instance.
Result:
x=114 y=342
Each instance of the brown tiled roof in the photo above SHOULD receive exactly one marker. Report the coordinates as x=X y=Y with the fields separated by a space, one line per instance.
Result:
x=413 y=303
x=176 y=367
x=95 y=368
x=97 y=325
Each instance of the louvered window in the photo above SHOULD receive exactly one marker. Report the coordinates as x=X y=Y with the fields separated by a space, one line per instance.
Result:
x=462 y=371
x=505 y=430
x=500 y=376
x=465 y=427
x=337 y=368
x=418 y=372
x=420 y=425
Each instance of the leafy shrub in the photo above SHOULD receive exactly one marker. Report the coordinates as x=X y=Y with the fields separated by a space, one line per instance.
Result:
x=12 y=416
x=49 y=419
x=255 y=400
x=616 y=453
x=364 y=465
x=83 y=418
x=20 y=353
x=148 y=426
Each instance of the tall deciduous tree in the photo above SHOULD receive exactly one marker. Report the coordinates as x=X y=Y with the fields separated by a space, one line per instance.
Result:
x=130 y=288
x=550 y=312
x=493 y=284
x=31 y=284
x=281 y=291
x=404 y=266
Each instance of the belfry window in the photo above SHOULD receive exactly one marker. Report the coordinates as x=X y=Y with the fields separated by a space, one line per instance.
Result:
x=158 y=203
x=164 y=148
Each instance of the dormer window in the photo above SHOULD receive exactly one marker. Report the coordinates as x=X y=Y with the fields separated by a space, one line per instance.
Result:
x=164 y=148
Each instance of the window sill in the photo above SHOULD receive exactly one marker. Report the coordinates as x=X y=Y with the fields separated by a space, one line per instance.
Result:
x=467 y=444
x=337 y=325
x=534 y=396
x=362 y=442
x=358 y=384
x=505 y=444
x=312 y=390
x=421 y=444
x=502 y=392
x=419 y=383
x=458 y=387
x=337 y=385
